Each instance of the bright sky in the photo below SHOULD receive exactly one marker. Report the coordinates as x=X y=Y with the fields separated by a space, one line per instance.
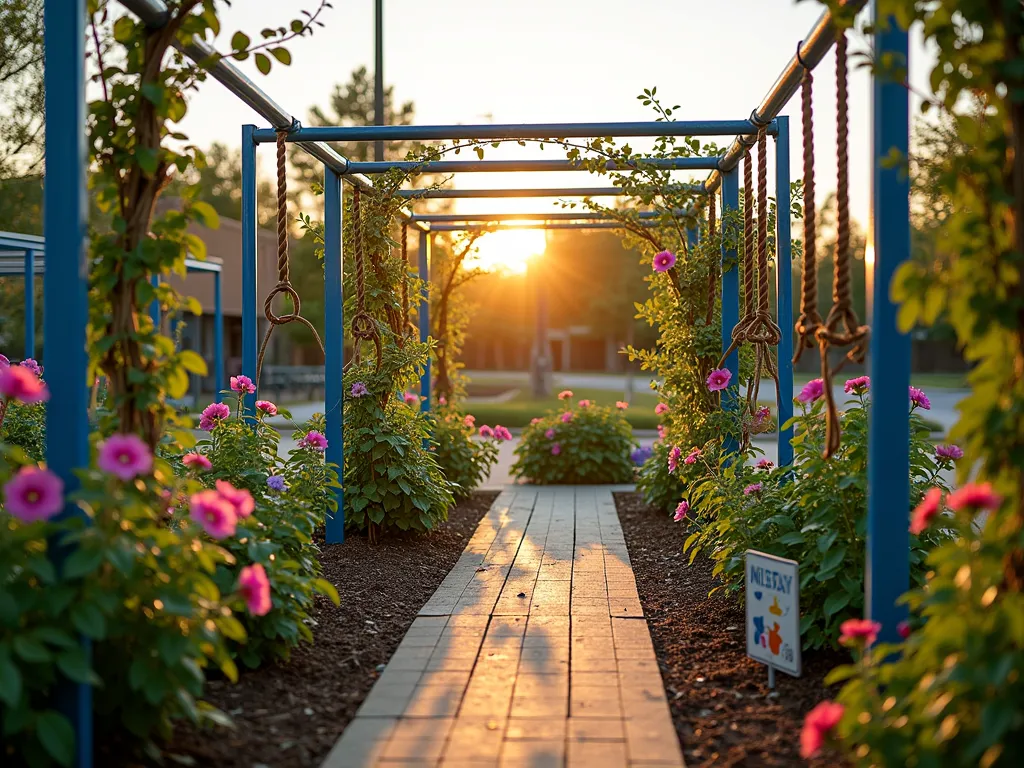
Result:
x=464 y=61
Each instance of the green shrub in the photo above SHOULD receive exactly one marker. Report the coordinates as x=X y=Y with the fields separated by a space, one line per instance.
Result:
x=466 y=462
x=660 y=488
x=583 y=445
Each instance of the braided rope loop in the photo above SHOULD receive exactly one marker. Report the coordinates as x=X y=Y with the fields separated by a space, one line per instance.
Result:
x=810 y=320
x=364 y=327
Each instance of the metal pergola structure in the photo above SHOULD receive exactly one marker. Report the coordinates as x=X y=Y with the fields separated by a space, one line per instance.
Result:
x=66 y=304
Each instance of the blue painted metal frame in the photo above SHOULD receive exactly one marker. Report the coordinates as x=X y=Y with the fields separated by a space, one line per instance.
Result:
x=334 y=347
x=66 y=295
x=784 y=290
x=218 y=337
x=154 y=306
x=888 y=569
x=250 y=341
x=30 y=302
x=730 y=291
x=520 y=166
x=424 y=314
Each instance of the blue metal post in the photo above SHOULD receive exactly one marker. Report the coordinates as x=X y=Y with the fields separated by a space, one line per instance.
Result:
x=154 y=306
x=784 y=289
x=888 y=567
x=218 y=337
x=692 y=236
x=424 y=314
x=30 y=303
x=730 y=289
x=250 y=340
x=334 y=348
x=66 y=294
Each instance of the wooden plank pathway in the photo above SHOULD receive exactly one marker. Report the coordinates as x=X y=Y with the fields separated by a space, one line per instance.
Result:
x=533 y=652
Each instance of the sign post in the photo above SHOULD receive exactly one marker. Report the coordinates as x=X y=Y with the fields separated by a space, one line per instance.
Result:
x=773 y=613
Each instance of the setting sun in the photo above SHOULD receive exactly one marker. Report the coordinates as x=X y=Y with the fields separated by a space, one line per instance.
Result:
x=507 y=250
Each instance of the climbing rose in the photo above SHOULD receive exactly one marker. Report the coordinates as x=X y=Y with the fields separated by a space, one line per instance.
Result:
x=275 y=483
x=502 y=433
x=556 y=449
x=584 y=403
x=673 y=458
x=718 y=380
x=621 y=405
x=567 y=417
x=359 y=389
x=34 y=494
x=857 y=385
x=919 y=399
x=691 y=457
x=239 y=498
x=125 y=456
x=213 y=413
x=817 y=725
x=267 y=407
x=664 y=261
x=682 y=509
x=765 y=464
x=753 y=488
x=255 y=588
x=314 y=441
x=903 y=629
x=974 y=496
x=926 y=511
x=550 y=433
x=486 y=431
x=411 y=399
x=242 y=384
x=196 y=460
x=214 y=513
x=469 y=421
x=565 y=394
x=18 y=383
x=660 y=408
x=812 y=391
x=948 y=452
x=859 y=631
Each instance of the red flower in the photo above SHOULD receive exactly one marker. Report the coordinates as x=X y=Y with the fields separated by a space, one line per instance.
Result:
x=974 y=497
x=817 y=725
x=856 y=631
x=926 y=511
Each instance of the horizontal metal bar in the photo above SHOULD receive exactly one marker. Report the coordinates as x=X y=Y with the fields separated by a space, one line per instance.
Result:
x=536 y=225
x=515 y=166
x=447 y=218
x=515 y=131
x=810 y=52
x=13 y=262
x=449 y=194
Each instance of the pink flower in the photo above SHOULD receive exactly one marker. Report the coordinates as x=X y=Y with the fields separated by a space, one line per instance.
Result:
x=857 y=385
x=266 y=407
x=858 y=632
x=817 y=725
x=673 y=458
x=34 y=494
x=359 y=389
x=661 y=408
x=535 y=420
x=469 y=421
x=442 y=400
x=682 y=509
x=486 y=431
x=765 y=464
x=974 y=497
x=753 y=488
x=719 y=379
x=664 y=261
x=125 y=456
x=214 y=513
x=239 y=498
x=948 y=452
x=556 y=449
x=692 y=456
x=19 y=383
x=550 y=433
x=926 y=511
x=567 y=417
x=621 y=405
x=761 y=415
x=661 y=431
x=254 y=586
x=211 y=414
x=314 y=441
x=584 y=403
x=812 y=391
x=242 y=385
x=196 y=460
x=903 y=629
x=411 y=399
x=502 y=433
x=565 y=394
x=919 y=399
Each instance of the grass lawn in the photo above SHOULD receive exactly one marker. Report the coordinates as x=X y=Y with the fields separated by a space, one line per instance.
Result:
x=523 y=407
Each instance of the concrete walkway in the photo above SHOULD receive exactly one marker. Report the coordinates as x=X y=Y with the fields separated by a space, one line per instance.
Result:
x=533 y=652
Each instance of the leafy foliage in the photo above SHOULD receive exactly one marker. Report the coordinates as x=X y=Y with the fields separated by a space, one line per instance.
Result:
x=466 y=462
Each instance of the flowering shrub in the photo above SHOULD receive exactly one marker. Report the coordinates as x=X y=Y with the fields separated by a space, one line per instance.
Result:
x=588 y=444
x=660 y=488
x=22 y=410
x=466 y=462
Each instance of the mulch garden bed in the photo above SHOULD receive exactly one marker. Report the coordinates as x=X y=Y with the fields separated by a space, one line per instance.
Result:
x=724 y=712
x=290 y=715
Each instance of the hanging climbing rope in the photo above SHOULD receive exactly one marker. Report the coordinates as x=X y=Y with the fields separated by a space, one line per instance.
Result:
x=406 y=322
x=713 y=264
x=809 y=321
x=284 y=283
x=364 y=327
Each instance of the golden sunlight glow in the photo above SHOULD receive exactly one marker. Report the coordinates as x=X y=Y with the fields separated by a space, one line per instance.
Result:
x=507 y=250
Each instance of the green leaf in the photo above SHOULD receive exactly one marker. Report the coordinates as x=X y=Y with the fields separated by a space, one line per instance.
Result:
x=192 y=362
x=835 y=603
x=148 y=159
x=57 y=736
x=325 y=587
x=832 y=559
x=262 y=63
x=240 y=41
x=75 y=666
x=82 y=562
x=282 y=55
x=154 y=93
x=207 y=214
x=89 y=620
x=30 y=649
x=10 y=680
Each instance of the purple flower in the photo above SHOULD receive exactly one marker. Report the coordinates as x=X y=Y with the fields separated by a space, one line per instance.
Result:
x=314 y=441
x=640 y=455
x=4 y=362
x=243 y=385
x=682 y=510
x=950 y=452
x=719 y=379
x=32 y=365
x=664 y=261
x=550 y=433
x=673 y=458
x=556 y=449
x=753 y=488
x=125 y=456
x=919 y=399
x=276 y=483
x=858 y=385
x=812 y=391
x=359 y=389
x=34 y=494
x=212 y=414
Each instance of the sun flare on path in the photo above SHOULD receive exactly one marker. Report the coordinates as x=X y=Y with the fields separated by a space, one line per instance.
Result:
x=507 y=250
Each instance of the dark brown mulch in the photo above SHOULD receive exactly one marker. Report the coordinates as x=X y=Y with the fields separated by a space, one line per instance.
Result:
x=290 y=715
x=724 y=712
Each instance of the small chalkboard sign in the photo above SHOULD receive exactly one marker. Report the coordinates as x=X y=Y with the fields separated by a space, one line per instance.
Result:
x=773 y=613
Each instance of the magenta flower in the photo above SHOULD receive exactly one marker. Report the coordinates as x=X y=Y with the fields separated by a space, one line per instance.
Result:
x=719 y=379
x=761 y=415
x=692 y=456
x=314 y=440
x=858 y=385
x=948 y=452
x=411 y=399
x=254 y=587
x=266 y=407
x=664 y=261
x=765 y=464
x=926 y=511
x=359 y=389
x=469 y=421
x=242 y=385
x=4 y=362
x=660 y=409
x=125 y=456
x=34 y=494
x=812 y=391
x=682 y=510
x=556 y=449
x=919 y=399
x=196 y=460
x=32 y=365
x=903 y=629
x=212 y=414
x=239 y=498
x=859 y=631
x=621 y=405
x=502 y=433
x=567 y=417
x=213 y=513
x=19 y=383
x=974 y=496
x=819 y=722
x=753 y=488
x=486 y=431
x=584 y=403
x=565 y=394
x=673 y=458
x=550 y=433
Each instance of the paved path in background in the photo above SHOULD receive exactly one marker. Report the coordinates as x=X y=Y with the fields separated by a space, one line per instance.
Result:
x=533 y=652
